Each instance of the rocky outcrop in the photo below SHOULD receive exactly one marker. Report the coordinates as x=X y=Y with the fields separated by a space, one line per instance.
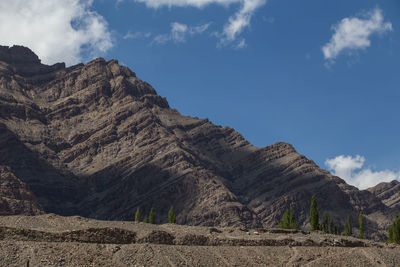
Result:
x=97 y=141
x=388 y=193
x=15 y=196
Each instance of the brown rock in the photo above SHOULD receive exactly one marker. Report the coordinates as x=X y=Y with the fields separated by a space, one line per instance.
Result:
x=95 y=140
x=15 y=196
x=388 y=193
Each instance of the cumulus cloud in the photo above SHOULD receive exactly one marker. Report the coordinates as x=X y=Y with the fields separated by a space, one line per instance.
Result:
x=57 y=31
x=351 y=170
x=236 y=23
x=180 y=32
x=354 y=33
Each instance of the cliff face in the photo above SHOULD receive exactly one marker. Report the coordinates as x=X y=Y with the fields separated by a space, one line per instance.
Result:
x=15 y=196
x=388 y=193
x=95 y=140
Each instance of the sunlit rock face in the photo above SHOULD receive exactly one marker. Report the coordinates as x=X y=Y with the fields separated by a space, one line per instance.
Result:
x=94 y=140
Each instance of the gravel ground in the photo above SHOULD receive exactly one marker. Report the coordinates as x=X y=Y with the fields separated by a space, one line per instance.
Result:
x=51 y=240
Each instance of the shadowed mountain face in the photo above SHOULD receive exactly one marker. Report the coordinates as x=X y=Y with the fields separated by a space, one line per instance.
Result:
x=95 y=140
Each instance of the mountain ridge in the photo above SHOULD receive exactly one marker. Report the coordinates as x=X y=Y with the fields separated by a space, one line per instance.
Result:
x=96 y=141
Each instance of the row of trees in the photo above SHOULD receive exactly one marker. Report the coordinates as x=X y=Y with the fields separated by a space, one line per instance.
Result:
x=393 y=233
x=288 y=221
x=152 y=216
x=327 y=225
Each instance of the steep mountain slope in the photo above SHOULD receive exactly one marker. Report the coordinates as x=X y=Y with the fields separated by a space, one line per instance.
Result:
x=15 y=196
x=95 y=140
x=388 y=193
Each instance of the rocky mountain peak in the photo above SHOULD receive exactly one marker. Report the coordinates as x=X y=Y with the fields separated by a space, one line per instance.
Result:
x=20 y=60
x=18 y=55
x=95 y=140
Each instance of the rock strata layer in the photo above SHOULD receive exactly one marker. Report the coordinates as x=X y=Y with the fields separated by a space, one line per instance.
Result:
x=94 y=140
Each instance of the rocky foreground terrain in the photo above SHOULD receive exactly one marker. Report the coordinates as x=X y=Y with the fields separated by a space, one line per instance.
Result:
x=96 y=141
x=51 y=240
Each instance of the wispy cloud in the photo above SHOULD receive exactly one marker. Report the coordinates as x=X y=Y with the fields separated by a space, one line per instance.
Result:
x=185 y=3
x=55 y=30
x=137 y=35
x=238 y=22
x=354 y=33
x=180 y=32
x=351 y=170
x=241 y=44
x=235 y=25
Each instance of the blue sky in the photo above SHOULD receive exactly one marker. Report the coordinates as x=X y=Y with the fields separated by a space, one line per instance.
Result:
x=259 y=67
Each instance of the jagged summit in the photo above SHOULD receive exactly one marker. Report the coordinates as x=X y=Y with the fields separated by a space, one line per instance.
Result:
x=94 y=140
x=20 y=60
x=18 y=55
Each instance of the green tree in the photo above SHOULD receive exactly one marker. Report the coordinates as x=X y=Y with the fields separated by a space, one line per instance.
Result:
x=145 y=219
x=325 y=223
x=288 y=221
x=331 y=227
x=361 y=226
x=337 y=229
x=314 y=218
x=171 y=215
x=394 y=231
x=152 y=216
x=390 y=235
x=348 y=231
x=137 y=215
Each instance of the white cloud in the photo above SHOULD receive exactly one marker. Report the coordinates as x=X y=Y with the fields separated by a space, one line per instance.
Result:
x=354 y=33
x=236 y=23
x=55 y=30
x=199 y=29
x=351 y=170
x=241 y=44
x=185 y=3
x=137 y=35
x=179 y=33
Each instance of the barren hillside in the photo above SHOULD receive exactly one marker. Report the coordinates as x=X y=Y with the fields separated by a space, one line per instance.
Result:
x=95 y=140
x=51 y=240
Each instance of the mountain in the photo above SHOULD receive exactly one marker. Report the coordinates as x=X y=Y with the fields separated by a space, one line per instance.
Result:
x=15 y=196
x=388 y=193
x=94 y=140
